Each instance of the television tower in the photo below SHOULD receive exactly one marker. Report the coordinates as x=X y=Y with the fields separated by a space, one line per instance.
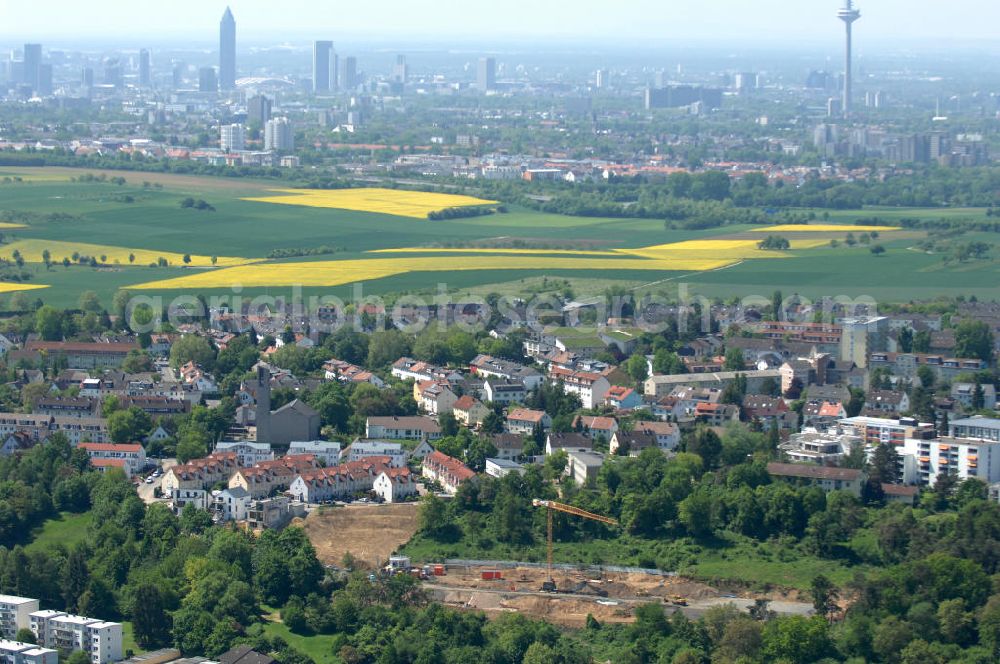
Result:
x=848 y=14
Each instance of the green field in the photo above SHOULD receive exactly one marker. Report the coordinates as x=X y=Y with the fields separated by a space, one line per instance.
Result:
x=97 y=213
x=68 y=529
x=318 y=647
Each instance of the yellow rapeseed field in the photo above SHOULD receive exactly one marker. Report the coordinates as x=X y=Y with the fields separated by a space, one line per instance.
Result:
x=31 y=251
x=823 y=228
x=398 y=202
x=494 y=250
x=690 y=256
x=8 y=287
x=10 y=224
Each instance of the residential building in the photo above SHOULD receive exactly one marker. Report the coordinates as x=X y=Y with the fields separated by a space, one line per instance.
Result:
x=101 y=640
x=583 y=466
x=502 y=467
x=486 y=75
x=906 y=365
x=83 y=354
x=39 y=427
x=877 y=430
x=434 y=396
x=770 y=412
x=667 y=434
x=716 y=414
x=631 y=443
x=822 y=414
x=258 y=110
x=590 y=387
x=469 y=411
x=326 y=451
x=826 y=478
x=488 y=366
x=319 y=485
x=15 y=652
x=394 y=485
x=200 y=498
x=248 y=453
x=889 y=402
x=15 y=614
x=279 y=135
x=977 y=426
x=597 y=427
x=199 y=473
x=244 y=655
x=402 y=428
x=568 y=442
x=662 y=385
x=365 y=449
x=525 y=421
x=231 y=504
x=622 y=398
x=861 y=337
x=509 y=446
x=131 y=458
x=232 y=138
x=965 y=394
x=504 y=392
x=963 y=457
x=267 y=513
x=823 y=448
x=448 y=472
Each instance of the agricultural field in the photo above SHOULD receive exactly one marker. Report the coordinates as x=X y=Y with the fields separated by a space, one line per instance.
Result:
x=262 y=241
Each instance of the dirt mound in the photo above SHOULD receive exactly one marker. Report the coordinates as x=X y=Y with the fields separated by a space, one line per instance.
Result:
x=370 y=533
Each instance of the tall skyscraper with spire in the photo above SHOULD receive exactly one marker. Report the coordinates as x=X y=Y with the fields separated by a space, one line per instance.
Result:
x=227 y=51
x=848 y=14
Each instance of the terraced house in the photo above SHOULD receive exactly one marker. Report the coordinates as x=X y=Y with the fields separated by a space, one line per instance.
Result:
x=450 y=473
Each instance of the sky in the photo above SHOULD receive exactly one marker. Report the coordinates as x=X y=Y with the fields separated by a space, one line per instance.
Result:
x=609 y=22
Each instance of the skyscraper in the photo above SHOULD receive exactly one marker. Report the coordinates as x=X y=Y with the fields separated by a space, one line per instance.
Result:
x=602 y=79
x=32 y=62
x=323 y=70
x=258 y=110
x=401 y=72
x=486 y=75
x=207 y=80
x=145 y=71
x=848 y=14
x=349 y=73
x=227 y=51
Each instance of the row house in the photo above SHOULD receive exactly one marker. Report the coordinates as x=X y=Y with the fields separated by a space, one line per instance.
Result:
x=268 y=477
x=406 y=368
x=66 y=406
x=590 y=387
x=450 y=473
x=83 y=355
x=129 y=457
x=40 y=427
x=202 y=473
x=826 y=478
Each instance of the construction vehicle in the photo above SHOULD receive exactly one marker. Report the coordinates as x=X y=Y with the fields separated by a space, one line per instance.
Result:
x=677 y=600
x=549 y=586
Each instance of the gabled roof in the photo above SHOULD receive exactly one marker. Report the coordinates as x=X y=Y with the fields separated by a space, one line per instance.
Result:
x=526 y=415
x=807 y=471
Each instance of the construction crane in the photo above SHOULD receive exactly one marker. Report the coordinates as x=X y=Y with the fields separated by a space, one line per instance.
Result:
x=550 y=506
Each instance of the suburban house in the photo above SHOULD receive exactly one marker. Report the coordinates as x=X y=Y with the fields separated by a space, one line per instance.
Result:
x=347 y=373
x=770 y=412
x=130 y=458
x=590 y=387
x=469 y=411
x=524 y=421
x=633 y=442
x=231 y=504
x=406 y=368
x=510 y=446
x=716 y=414
x=826 y=478
x=622 y=398
x=450 y=473
x=568 y=442
x=402 y=428
x=595 y=426
x=504 y=392
x=888 y=402
x=822 y=413
x=394 y=485
x=19 y=441
x=668 y=435
x=965 y=394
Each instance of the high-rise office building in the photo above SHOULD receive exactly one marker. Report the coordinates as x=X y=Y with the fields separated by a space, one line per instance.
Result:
x=227 y=51
x=145 y=69
x=323 y=68
x=258 y=110
x=113 y=73
x=232 y=138
x=401 y=72
x=32 y=61
x=486 y=75
x=207 y=80
x=602 y=79
x=349 y=73
x=87 y=77
x=279 y=135
x=44 y=87
x=178 y=75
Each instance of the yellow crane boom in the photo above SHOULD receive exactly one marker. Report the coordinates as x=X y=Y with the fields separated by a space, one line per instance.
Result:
x=550 y=506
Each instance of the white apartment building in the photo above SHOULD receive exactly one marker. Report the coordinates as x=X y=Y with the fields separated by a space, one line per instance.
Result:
x=963 y=457
x=248 y=453
x=364 y=449
x=590 y=387
x=15 y=652
x=15 y=613
x=326 y=451
x=129 y=457
x=279 y=135
x=101 y=640
x=232 y=138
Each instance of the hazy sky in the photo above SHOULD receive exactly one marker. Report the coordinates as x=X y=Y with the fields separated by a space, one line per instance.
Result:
x=766 y=21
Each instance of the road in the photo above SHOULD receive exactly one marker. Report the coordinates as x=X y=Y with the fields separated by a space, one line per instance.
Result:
x=695 y=608
x=145 y=491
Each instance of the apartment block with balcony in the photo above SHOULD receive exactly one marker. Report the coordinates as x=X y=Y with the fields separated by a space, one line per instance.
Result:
x=101 y=640
x=15 y=652
x=15 y=613
x=965 y=458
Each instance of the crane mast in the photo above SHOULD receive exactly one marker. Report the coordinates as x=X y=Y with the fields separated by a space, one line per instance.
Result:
x=553 y=506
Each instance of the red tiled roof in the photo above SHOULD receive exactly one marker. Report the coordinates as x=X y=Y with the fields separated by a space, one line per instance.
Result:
x=110 y=447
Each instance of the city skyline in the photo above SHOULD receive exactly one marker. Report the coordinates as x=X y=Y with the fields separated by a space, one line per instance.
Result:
x=761 y=22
